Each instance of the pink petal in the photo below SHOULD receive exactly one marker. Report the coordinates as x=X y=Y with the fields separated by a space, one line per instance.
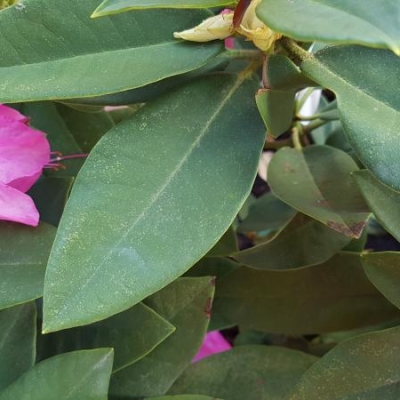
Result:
x=24 y=152
x=12 y=114
x=213 y=343
x=17 y=206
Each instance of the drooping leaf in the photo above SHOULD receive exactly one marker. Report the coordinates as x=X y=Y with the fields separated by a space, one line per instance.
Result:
x=17 y=342
x=373 y=24
x=276 y=108
x=332 y=296
x=152 y=182
x=370 y=113
x=317 y=182
x=68 y=55
x=276 y=102
x=355 y=368
x=117 y=6
x=132 y=334
x=23 y=257
x=78 y=375
x=310 y=243
x=383 y=201
x=383 y=270
x=246 y=372
x=186 y=304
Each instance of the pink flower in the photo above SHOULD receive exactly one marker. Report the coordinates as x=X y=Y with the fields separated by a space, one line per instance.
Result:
x=23 y=154
x=213 y=343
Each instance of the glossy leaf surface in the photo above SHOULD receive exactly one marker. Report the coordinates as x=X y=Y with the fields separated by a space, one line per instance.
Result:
x=78 y=375
x=116 y=6
x=310 y=243
x=132 y=334
x=332 y=296
x=67 y=55
x=383 y=270
x=245 y=372
x=23 y=257
x=317 y=182
x=353 y=368
x=153 y=181
x=17 y=342
x=373 y=24
x=369 y=111
x=186 y=304
x=383 y=201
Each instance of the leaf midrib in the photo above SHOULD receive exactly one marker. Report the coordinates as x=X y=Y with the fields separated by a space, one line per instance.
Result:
x=341 y=80
x=96 y=53
x=169 y=179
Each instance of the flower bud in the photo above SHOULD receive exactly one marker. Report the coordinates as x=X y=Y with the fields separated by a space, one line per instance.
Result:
x=7 y=3
x=255 y=30
x=217 y=27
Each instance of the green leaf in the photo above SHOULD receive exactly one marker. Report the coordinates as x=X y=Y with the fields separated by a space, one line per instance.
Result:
x=186 y=304
x=267 y=213
x=50 y=195
x=317 y=182
x=354 y=368
x=357 y=245
x=383 y=270
x=86 y=128
x=17 y=342
x=188 y=184
x=68 y=55
x=276 y=108
x=151 y=92
x=246 y=372
x=132 y=334
x=310 y=243
x=384 y=202
x=72 y=376
x=373 y=24
x=369 y=111
x=117 y=6
x=23 y=258
x=212 y=266
x=226 y=245
x=332 y=296
x=276 y=102
x=283 y=74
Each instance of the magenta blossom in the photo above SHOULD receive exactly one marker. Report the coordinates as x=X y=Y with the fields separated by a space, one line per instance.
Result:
x=213 y=343
x=23 y=154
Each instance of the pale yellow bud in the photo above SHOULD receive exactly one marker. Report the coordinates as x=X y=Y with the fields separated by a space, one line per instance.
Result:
x=255 y=30
x=217 y=27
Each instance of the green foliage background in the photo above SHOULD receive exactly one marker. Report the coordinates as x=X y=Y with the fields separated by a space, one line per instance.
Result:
x=110 y=297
